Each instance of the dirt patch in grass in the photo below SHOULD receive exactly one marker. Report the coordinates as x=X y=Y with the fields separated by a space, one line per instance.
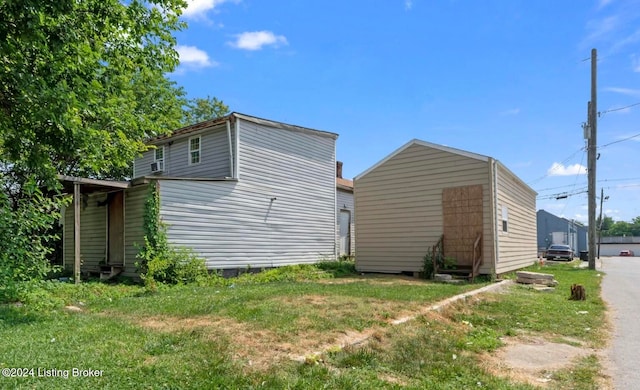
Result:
x=172 y=324
x=533 y=360
x=256 y=349
x=383 y=311
x=394 y=380
x=314 y=300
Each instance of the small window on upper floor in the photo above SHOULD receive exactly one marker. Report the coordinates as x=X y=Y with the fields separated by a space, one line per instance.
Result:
x=194 y=150
x=158 y=157
x=505 y=219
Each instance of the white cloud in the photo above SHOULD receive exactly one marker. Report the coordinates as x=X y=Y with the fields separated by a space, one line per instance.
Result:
x=603 y=3
x=408 y=4
x=513 y=111
x=601 y=28
x=628 y=40
x=558 y=169
x=193 y=57
x=624 y=91
x=256 y=40
x=635 y=63
x=197 y=9
x=581 y=218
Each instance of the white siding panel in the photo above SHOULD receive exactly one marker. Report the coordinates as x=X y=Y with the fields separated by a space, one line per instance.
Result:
x=517 y=248
x=281 y=211
x=399 y=207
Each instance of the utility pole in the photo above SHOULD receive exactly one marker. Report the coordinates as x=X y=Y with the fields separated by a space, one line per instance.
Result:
x=591 y=161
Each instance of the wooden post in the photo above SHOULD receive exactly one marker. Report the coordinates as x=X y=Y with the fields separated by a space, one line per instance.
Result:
x=77 y=198
x=578 y=293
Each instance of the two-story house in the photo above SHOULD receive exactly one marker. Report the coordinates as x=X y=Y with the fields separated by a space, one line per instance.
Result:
x=239 y=191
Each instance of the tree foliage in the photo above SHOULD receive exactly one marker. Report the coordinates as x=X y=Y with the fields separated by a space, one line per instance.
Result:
x=82 y=84
x=203 y=109
x=24 y=239
x=620 y=228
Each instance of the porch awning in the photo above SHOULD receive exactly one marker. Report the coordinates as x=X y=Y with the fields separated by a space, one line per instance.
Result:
x=78 y=186
x=88 y=186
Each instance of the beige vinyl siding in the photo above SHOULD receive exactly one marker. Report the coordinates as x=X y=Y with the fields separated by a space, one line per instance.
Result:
x=517 y=248
x=214 y=156
x=280 y=211
x=345 y=202
x=133 y=226
x=399 y=207
x=93 y=236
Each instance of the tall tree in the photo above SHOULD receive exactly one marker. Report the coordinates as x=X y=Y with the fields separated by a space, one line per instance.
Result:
x=605 y=224
x=202 y=109
x=620 y=228
x=82 y=83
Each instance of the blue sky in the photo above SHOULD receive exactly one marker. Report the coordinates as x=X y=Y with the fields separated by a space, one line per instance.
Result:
x=507 y=79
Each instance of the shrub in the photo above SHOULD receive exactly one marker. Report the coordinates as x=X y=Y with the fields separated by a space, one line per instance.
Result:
x=160 y=262
x=170 y=265
x=427 y=267
x=342 y=267
x=25 y=239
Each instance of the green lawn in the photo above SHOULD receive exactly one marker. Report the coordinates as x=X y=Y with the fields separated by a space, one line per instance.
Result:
x=244 y=333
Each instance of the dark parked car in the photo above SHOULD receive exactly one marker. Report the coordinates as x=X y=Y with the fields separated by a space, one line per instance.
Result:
x=563 y=252
x=626 y=252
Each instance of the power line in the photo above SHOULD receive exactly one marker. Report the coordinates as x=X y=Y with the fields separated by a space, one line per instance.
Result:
x=563 y=195
x=618 y=109
x=624 y=179
x=625 y=186
x=620 y=140
x=556 y=167
x=574 y=183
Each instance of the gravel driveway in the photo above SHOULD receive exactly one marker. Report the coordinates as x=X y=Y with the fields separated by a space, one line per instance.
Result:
x=621 y=291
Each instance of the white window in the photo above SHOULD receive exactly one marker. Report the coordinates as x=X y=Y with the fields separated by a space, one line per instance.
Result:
x=505 y=219
x=194 y=150
x=158 y=158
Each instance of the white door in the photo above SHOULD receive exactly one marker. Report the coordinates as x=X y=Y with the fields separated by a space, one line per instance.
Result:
x=345 y=232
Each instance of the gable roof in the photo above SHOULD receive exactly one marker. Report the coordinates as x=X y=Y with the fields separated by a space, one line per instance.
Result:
x=344 y=184
x=184 y=131
x=428 y=145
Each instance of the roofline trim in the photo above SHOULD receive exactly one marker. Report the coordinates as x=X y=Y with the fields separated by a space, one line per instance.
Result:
x=416 y=141
x=95 y=182
x=519 y=180
x=206 y=125
x=285 y=126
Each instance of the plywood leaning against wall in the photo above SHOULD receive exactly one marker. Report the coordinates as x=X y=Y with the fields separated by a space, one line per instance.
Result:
x=462 y=221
